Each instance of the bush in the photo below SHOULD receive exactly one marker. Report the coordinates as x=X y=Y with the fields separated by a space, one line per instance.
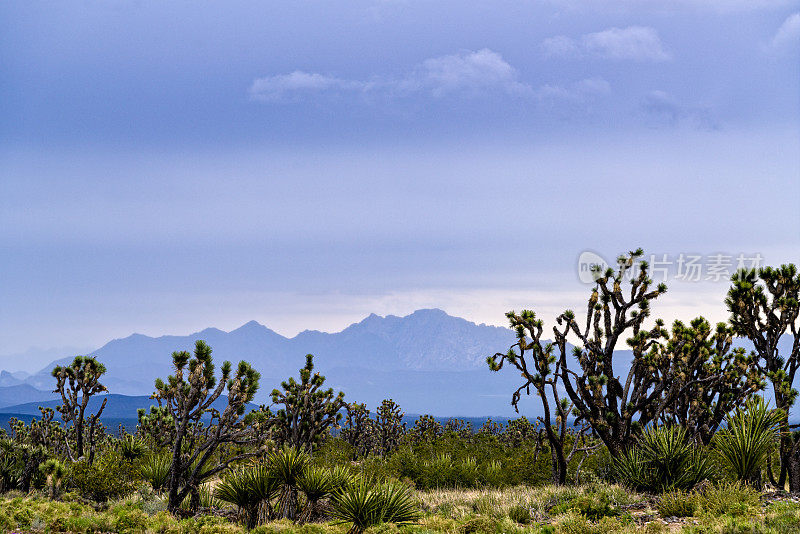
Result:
x=520 y=514
x=593 y=506
x=735 y=499
x=110 y=477
x=155 y=469
x=677 y=504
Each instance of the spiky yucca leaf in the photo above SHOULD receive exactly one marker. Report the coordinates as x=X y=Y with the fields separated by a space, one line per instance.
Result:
x=287 y=466
x=751 y=435
x=364 y=504
x=155 y=469
x=248 y=488
x=663 y=459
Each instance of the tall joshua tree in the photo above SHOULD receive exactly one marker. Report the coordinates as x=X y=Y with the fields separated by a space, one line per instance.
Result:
x=308 y=410
x=389 y=428
x=188 y=396
x=539 y=367
x=613 y=315
x=764 y=307
x=358 y=429
x=76 y=383
x=706 y=377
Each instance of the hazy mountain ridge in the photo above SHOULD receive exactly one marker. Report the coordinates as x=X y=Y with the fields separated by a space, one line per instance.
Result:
x=428 y=361
x=376 y=358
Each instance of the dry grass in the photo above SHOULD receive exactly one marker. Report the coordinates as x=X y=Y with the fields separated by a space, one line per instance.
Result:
x=458 y=504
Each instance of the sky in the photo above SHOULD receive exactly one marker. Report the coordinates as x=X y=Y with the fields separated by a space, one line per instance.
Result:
x=169 y=166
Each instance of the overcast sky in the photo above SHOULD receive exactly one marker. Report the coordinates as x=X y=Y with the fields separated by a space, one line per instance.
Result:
x=169 y=166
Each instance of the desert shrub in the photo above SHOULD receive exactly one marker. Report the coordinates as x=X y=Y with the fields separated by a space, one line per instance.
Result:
x=109 y=477
x=287 y=466
x=129 y=520
x=241 y=487
x=730 y=498
x=132 y=448
x=593 y=506
x=663 y=459
x=677 y=504
x=520 y=513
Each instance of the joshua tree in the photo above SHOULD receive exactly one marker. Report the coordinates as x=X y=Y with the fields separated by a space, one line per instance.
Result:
x=706 y=378
x=600 y=397
x=540 y=368
x=425 y=429
x=188 y=396
x=764 y=307
x=358 y=429
x=389 y=426
x=77 y=383
x=308 y=411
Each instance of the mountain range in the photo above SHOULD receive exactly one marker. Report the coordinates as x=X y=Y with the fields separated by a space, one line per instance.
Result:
x=428 y=361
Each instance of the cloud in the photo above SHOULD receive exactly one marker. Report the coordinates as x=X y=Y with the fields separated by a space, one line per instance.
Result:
x=637 y=43
x=283 y=86
x=788 y=35
x=662 y=109
x=467 y=73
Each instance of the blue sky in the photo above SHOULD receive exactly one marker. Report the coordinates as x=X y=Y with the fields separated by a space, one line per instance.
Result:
x=167 y=166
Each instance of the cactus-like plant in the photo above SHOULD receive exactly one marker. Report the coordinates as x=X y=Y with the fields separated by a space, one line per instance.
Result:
x=188 y=396
x=77 y=383
x=308 y=411
x=764 y=306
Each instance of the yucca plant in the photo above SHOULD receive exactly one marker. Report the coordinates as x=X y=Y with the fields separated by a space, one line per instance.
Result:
x=55 y=470
x=341 y=477
x=155 y=470
x=132 y=448
x=316 y=483
x=247 y=488
x=206 y=499
x=663 y=459
x=364 y=504
x=749 y=438
x=287 y=466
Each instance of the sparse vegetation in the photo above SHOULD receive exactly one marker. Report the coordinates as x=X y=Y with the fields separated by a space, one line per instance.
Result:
x=686 y=437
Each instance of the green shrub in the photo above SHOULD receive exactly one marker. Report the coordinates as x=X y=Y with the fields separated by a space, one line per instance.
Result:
x=593 y=506
x=365 y=504
x=677 y=504
x=110 y=477
x=128 y=520
x=733 y=498
x=520 y=514
x=247 y=488
x=132 y=448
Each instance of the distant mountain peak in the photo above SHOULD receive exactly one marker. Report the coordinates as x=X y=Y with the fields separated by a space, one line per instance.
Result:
x=254 y=329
